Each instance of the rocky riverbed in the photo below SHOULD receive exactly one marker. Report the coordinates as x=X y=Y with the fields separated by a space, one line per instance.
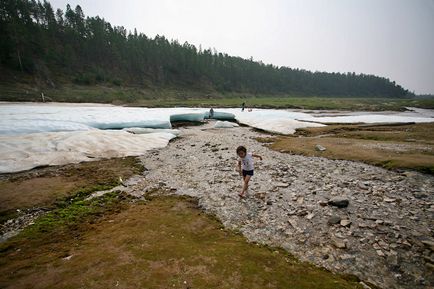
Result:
x=345 y=216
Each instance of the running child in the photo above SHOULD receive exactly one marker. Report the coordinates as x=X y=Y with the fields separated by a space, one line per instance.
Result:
x=245 y=167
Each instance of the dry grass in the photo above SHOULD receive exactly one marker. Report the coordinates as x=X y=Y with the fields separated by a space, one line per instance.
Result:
x=42 y=187
x=397 y=146
x=164 y=243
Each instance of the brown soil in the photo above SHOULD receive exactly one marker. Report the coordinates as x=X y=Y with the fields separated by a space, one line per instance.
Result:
x=43 y=186
x=164 y=243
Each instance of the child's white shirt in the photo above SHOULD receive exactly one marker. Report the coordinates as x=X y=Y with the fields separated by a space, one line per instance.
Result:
x=247 y=162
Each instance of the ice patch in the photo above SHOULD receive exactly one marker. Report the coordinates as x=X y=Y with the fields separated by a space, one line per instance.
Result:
x=271 y=120
x=24 y=152
x=225 y=124
x=371 y=118
x=54 y=134
x=220 y=115
x=197 y=117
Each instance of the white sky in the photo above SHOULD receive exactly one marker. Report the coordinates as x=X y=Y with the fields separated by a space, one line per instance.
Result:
x=390 y=38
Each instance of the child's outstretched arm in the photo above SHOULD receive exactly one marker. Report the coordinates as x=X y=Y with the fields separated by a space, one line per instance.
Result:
x=257 y=156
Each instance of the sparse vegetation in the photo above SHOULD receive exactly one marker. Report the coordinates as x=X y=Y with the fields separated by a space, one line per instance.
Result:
x=392 y=147
x=45 y=187
x=169 y=97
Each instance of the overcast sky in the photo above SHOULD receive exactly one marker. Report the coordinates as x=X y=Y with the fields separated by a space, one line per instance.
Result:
x=390 y=38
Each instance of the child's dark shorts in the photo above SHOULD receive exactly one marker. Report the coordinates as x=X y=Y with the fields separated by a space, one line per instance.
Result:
x=247 y=173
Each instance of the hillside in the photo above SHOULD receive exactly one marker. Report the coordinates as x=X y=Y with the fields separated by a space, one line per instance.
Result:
x=44 y=49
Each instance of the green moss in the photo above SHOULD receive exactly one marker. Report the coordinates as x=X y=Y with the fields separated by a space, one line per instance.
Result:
x=73 y=212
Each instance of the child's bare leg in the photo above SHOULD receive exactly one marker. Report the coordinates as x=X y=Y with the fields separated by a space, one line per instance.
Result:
x=245 y=185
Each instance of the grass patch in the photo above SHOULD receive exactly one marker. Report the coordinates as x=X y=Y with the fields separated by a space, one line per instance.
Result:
x=392 y=147
x=44 y=187
x=73 y=211
x=331 y=103
x=169 y=97
x=166 y=242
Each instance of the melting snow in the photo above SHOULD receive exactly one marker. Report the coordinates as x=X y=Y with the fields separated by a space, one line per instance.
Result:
x=34 y=135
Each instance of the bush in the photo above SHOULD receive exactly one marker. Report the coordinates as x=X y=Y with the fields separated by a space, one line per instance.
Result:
x=117 y=82
x=85 y=78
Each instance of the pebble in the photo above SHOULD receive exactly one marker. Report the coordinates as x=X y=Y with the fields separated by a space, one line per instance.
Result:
x=320 y=148
x=281 y=185
x=339 y=244
x=345 y=223
x=334 y=220
x=339 y=202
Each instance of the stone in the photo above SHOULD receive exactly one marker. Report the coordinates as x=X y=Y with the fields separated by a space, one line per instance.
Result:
x=362 y=186
x=345 y=223
x=339 y=202
x=389 y=200
x=334 y=220
x=260 y=196
x=322 y=203
x=380 y=253
x=269 y=202
x=428 y=259
x=339 y=244
x=320 y=148
x=429 y=244
x=347 y=257
x=420 y=195
x=282 y=185
x=364 y=285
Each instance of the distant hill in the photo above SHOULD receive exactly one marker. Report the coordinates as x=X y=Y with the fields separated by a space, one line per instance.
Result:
x=54 y=47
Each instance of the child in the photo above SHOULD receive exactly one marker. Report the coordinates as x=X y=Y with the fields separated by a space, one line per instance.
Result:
x=246 y=164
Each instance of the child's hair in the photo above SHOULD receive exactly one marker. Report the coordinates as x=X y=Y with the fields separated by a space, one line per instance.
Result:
x=241 y=149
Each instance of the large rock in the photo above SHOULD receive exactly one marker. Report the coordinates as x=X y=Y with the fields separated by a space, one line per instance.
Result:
x=339 y=202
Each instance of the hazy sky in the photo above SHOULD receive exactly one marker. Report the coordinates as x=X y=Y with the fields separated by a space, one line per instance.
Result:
x=390 y=38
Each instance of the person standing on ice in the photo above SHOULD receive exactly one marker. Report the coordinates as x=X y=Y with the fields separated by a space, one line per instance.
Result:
x=243 y=105
x=245 y=167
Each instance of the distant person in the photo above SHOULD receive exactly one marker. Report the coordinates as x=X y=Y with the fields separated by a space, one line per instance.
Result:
x=211 y=113
x=243 y=106
x=245 y=167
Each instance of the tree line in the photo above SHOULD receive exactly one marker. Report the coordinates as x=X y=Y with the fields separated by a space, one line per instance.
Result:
x=37 y=40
